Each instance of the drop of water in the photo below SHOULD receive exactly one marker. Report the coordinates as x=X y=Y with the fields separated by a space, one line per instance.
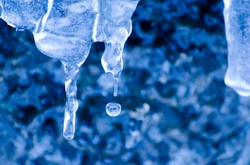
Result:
x=113 y=109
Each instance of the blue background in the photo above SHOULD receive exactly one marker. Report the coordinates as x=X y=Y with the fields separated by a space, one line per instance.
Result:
x=176 y=107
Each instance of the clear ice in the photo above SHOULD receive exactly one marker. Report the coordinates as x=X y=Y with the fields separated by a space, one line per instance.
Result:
x=237 y=21
x=66 y=29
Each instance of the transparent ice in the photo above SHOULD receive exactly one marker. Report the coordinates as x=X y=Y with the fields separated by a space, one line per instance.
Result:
x=237 y=20
x=66 y=29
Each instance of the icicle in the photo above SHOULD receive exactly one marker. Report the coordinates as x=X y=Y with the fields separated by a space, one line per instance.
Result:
x=116 y=80
x=237 y=16
x=71 y=102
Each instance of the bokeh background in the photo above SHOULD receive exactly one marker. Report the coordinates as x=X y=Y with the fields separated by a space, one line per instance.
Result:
x=176 y=107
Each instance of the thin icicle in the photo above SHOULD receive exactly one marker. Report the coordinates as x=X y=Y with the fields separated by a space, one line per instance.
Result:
x=71 y=106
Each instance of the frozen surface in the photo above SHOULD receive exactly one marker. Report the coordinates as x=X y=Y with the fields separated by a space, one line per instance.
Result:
x=237 y=16
x=176 y=108
x=66 y=30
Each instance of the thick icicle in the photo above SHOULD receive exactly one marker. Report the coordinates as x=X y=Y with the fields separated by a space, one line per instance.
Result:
x=237 y=16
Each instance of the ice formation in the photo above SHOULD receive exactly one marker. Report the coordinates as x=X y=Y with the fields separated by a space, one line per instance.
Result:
x=66 y=29
x=237 y=16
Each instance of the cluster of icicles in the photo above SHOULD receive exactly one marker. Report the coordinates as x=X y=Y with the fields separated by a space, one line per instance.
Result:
x=66 y=30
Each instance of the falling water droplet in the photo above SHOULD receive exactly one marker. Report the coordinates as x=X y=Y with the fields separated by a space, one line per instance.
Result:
x=113 y=109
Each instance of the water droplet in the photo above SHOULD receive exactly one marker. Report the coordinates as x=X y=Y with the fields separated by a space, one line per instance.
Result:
x=113 y=109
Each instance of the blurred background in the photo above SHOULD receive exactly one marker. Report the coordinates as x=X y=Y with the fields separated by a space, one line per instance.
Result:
x=176 y=109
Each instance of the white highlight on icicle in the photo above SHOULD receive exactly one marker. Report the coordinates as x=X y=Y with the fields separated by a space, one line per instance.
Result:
x=44 y=20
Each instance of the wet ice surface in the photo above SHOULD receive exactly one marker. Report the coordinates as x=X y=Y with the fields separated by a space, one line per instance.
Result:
x=237 y=16
x=66 y=30
x=176 y=107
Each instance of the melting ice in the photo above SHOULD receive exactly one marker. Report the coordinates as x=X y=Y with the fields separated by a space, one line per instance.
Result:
x=66 y=29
